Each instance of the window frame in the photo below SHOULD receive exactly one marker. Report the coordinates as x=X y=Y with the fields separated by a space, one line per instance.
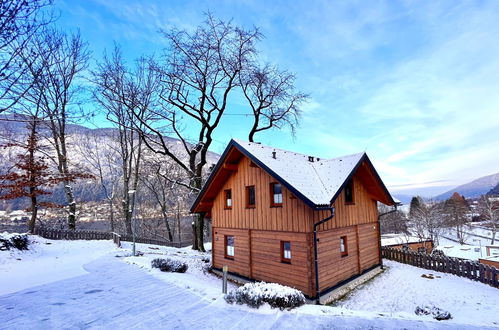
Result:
x=248 y=189
x=226 y=254
x=345 y=244
x=226 y=205
x=285 y=259
x=349 y=186
x=272 y=202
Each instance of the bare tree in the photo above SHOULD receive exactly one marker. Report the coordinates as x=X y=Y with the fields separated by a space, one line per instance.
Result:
x=199 y=72
x=160 y=178
x=127 y=95
x=19 y=21
x=392 y=221
x=427 y=220
x=103 y=161
x=488 y=207
x=60 y=60
x=272 y=98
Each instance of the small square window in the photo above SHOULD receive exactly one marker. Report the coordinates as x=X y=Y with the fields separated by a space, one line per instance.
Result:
x=276 y=194
x=343 y=246
x=229 y=247
x=250 y=197
x=285 y=251
x=228 y=199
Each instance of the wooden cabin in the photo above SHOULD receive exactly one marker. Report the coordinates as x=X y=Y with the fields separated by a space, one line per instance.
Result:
x=302 y=221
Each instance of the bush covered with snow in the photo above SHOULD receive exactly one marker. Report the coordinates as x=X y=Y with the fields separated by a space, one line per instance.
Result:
x=17 y=241
x=438 y=313
x=169 y=265
x=276 y=295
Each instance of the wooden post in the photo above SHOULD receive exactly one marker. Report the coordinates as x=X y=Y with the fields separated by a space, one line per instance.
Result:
x=224 y=279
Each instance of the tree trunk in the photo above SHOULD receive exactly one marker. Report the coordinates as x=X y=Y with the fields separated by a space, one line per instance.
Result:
x=200 y=232
x=194 y=233
x=71 y=205
x=34 y=212
x=165 y=218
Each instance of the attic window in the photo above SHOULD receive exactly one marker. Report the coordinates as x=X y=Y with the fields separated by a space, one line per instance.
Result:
x=276 y=194
x=250 y=197
x=349 y=192
x=228 y=199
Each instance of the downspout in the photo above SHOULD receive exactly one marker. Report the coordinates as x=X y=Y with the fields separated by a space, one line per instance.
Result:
x=316 y=258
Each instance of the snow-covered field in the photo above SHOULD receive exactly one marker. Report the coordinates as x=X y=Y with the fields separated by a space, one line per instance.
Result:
x=401 y=289
x=476 y=238
x=47 y=261
x=106 y=273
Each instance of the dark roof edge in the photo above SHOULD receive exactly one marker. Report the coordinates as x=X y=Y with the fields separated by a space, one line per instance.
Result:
x=211 y=177
x=248 y=154
x=376 y=175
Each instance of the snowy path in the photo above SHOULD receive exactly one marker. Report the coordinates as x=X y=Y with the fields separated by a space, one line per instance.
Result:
x=118 y=295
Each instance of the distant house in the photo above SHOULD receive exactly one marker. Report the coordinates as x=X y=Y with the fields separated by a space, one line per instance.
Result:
x=294 y=219
x=492 y=250
x=401 y=241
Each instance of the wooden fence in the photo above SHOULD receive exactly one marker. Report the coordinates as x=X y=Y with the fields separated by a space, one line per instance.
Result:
x=465 y=268
x=65 y=234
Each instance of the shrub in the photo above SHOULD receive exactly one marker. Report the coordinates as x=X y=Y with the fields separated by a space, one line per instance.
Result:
x=437 y=313
x=169 y=265
x=17 y=241
x=276 y=295
x=20 y=242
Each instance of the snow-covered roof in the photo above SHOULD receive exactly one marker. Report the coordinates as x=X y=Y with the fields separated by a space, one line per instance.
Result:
x=397 y=239
x=317 y=181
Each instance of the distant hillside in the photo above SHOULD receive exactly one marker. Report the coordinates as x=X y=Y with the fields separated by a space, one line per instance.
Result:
x=81 y=140
x=494 y=191
x=474 y=188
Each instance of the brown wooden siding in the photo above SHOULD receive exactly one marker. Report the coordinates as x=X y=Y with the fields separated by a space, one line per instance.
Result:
x=333 y=268
x=369 y=253
x=293 y=216
x=362 y=247
x=364 y=210
x=266 y=259
x=241 y=262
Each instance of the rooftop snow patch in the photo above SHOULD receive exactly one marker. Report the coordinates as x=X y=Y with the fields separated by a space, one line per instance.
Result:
x=318 y=180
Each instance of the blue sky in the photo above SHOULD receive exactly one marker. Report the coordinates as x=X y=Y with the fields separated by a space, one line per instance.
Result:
x=413 y=83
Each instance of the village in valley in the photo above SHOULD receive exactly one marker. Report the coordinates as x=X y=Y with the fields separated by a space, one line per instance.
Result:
x=302 y=165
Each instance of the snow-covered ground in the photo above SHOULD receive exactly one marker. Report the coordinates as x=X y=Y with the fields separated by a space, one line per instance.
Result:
x=476 y=239
x=401 y=289
x=94 y=284
x=47 y=261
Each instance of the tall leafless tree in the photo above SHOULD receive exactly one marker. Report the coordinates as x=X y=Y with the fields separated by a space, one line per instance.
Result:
x=60 y=61
x=159 y=177
x=272 y=98
x=19 y=21
x=488 y=207
x=199 y=71
x=103 y=161
x=427 y=220
x=127 y=96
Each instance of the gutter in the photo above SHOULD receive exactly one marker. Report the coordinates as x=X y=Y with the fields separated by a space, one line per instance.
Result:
x=316 y=258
